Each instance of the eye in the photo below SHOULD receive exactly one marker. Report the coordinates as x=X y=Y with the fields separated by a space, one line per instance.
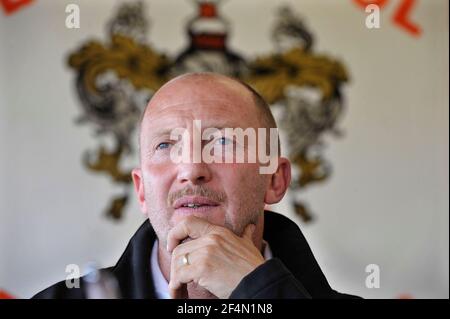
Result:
x=223 y=141
x=162 y=146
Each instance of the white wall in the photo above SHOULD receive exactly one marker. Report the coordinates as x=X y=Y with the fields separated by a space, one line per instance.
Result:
x=386 y=202
x=3 y=221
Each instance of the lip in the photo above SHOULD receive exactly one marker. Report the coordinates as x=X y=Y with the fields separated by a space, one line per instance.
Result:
x=198 y=200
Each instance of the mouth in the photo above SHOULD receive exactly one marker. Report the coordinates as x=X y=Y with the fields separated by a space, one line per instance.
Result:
x=189 y=204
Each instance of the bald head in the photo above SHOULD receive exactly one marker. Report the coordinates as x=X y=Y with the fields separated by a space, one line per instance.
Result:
x=210 y=86
x=204 y=136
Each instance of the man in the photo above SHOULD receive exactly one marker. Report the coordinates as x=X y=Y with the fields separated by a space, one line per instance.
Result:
x=208 y=235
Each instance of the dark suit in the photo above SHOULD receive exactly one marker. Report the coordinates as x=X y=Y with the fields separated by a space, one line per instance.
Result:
x=292 y=272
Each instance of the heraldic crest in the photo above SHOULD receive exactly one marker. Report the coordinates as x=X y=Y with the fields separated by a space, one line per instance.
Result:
x=115 y=80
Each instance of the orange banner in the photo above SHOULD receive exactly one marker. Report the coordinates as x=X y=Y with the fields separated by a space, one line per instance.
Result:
x=10 y=6
x=401 y=15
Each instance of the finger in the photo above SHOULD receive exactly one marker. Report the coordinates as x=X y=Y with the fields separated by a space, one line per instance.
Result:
x=191 y=226
x=248 y=232
x=180 y=275
x=188 y=247
x=177 y=289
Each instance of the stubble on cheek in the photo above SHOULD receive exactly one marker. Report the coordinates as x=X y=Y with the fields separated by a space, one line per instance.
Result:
x=158 y=215
x=249 y=204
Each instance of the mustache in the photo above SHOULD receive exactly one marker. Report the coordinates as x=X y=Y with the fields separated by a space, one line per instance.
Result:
x=202 y=191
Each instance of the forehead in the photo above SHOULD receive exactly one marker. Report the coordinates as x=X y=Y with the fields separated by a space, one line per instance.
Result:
x=215 y=102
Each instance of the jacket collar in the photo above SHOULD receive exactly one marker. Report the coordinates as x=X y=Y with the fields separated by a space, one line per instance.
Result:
x=133 y=268
x=284 y=237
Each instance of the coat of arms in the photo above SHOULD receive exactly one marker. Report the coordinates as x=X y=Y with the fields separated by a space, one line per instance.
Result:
x=115 y=80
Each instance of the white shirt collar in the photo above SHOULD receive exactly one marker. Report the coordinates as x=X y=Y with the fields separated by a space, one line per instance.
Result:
x=160 y=283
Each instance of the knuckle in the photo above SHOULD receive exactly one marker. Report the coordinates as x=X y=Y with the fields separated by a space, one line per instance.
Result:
x=204 y=265
x=214 y=239
x=220 y=231
x=208 y=251
x=176 y=252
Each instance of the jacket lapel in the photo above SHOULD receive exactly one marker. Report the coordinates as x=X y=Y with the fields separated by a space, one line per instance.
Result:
x=133 y=268
x=290 y=246
x=284 y=237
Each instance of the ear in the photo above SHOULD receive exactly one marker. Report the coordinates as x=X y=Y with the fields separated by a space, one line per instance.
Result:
x=136 y=174
x=279 y=182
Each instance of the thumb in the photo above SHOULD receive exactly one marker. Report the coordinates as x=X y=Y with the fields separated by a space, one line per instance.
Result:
x=248 y=232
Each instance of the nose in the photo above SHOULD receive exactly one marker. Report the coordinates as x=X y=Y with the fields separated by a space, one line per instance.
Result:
x=194 y=173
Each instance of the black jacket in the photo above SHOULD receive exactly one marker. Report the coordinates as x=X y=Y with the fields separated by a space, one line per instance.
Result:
x=292 y=273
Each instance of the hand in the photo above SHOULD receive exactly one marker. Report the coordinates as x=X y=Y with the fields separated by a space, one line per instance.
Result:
x=218 y=259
